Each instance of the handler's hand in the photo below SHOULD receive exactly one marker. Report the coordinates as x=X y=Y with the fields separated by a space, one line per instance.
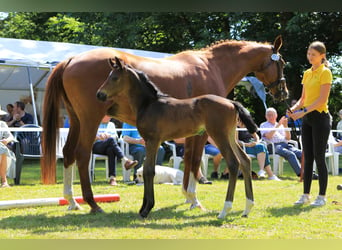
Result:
x=296 y=115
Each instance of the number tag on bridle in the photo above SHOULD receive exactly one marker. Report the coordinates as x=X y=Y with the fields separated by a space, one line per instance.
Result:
x=275 y=57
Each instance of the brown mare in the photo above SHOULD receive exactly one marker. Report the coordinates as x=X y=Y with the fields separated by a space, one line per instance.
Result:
x=160 y=117
x=212 y=70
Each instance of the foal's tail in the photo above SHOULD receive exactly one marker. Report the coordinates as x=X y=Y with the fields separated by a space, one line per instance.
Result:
x=245 y=117
x=51 y=119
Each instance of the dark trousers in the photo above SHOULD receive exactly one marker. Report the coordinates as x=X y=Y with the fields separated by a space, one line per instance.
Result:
x=315 y=133
x=110 y=148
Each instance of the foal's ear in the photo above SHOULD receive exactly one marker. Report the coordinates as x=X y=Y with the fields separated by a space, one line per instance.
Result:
x=278 y=42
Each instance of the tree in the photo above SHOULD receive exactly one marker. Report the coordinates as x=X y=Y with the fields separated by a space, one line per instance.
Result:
x=175 y=32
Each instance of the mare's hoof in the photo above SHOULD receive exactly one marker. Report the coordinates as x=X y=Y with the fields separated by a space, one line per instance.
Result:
x=97 y=211
x=75 y=207
x=244 y=216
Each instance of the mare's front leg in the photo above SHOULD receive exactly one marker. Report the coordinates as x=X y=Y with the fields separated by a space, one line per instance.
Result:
x=68 y=177
x=148 y=174
x=192 y=159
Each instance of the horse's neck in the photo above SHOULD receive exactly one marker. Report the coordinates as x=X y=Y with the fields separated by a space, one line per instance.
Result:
x=139 y=96
x=237 y=59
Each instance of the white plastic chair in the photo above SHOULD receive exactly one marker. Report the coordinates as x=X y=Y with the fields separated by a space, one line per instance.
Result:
x=330 y=154
x=336 y=162
x=93 y=157
x=175 y=160
x=125 y=149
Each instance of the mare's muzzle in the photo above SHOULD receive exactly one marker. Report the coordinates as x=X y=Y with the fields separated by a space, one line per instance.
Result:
x=281 y=92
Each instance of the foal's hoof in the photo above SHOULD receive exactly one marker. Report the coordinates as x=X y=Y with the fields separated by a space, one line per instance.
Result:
x=97 y=211
x=198 y=205
x=141 y=217
x=143 y=214
x=244 y=216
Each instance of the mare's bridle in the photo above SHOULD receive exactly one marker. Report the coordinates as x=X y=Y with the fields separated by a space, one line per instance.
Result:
x=281 y=81
x=276 y=57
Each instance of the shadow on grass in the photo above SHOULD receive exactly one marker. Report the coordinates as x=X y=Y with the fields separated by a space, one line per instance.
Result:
x=289 y=210
x=172 y=217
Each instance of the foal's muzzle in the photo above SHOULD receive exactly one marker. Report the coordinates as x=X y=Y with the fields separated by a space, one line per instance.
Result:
x=101 y=96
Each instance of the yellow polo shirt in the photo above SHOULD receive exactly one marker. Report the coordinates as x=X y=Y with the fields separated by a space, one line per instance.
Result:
x=312 y=81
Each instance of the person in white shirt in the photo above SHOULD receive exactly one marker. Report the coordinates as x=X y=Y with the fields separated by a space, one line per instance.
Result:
x=280 y=138
x=7 y=157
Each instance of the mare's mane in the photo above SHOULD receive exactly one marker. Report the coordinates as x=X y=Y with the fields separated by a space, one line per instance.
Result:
x=147 y=85
x=230 y=42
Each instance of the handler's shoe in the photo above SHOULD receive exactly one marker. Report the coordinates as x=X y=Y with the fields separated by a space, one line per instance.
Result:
x=320 y=201
x=304 y=199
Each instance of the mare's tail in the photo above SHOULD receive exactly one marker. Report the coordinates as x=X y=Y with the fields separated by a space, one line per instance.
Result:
x=51 y=120
x=245 y=117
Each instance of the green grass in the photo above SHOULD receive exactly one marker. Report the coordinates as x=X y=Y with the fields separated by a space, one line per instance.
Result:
x=273 y=216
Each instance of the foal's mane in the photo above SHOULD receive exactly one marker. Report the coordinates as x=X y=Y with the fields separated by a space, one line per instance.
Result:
x=148 y=86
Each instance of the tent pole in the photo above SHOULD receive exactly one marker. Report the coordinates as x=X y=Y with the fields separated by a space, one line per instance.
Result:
x=32 y=97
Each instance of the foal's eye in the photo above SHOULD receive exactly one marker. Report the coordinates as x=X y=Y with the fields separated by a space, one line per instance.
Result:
x=114 y=77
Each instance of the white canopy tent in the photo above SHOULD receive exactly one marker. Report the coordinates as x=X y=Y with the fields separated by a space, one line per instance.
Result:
x=25 y=66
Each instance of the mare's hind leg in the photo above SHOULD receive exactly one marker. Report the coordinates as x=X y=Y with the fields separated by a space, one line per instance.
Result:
x=82 y=160
x=192 y=159
x=68 y=177
x=148 y=174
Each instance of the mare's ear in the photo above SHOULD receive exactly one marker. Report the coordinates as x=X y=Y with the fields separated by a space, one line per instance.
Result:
x=120 y=64
x=111 y=62
x=278 y=42
x=115 y=63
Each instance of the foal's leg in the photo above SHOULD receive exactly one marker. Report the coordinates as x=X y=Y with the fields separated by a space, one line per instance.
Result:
x=68 y=177
x=192 y=159
x=233 y=166
x=247 y=176
x=148 y=174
